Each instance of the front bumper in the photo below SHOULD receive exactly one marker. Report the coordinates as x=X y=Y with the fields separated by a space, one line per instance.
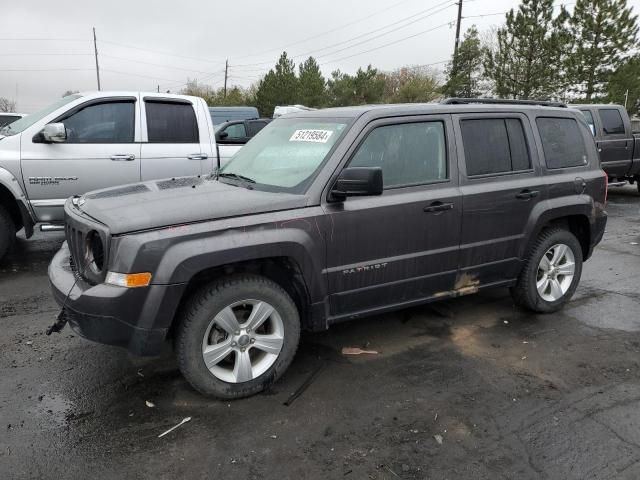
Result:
x=137 y=319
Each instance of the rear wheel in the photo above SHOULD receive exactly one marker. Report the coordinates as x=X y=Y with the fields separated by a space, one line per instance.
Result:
x=237 y=336
x=7 y=232
x=551 y=273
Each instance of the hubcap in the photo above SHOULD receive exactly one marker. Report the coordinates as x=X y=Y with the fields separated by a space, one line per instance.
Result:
x=243 y=341
x=555 y=272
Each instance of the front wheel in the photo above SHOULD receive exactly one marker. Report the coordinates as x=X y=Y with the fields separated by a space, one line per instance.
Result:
x=551 y=273
x=237 y=336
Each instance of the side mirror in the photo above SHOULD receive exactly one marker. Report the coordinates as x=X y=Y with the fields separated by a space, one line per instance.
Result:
x=54 y=133
x=357 y=181
x=222 y=135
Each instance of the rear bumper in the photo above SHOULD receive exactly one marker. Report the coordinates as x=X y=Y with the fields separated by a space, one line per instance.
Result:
x=137 y=319
x=597 y=232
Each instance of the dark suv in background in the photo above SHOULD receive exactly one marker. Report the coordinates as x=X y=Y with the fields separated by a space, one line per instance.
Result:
x=332 y=215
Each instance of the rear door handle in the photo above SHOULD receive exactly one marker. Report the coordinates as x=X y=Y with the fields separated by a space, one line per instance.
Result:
x=438 y=207
x=527 y=194
x=198 y=156
x=123 y=158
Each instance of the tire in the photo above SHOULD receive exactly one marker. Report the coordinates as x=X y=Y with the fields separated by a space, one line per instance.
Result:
x=557 y=289
x=7 y=232
x=206 y=328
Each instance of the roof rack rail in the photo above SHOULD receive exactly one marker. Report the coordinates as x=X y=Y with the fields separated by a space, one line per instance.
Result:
x=500 y=101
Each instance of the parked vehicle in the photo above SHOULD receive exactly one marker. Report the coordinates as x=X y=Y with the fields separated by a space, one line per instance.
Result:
x=231 y=136
x=328 y=216
x=228 y=114
x=618 y=145
x=88 y=141
x=7 y=118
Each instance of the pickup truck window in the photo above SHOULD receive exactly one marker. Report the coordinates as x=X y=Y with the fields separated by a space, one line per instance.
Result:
x=25 y=122
x=171 y=122
x=409 y=154
x=110 y=122
x=494 y=146
x=612 y=123
x=562 y=142
x=235 y=131
x=286 y=154
x=589 y=118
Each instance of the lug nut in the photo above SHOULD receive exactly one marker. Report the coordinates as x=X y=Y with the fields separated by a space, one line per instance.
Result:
x=237 y=333
x=242 y=349
x=253 y=340
x=233 y=344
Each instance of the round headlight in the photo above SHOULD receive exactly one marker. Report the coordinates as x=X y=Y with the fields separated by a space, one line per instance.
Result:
x=94 y=252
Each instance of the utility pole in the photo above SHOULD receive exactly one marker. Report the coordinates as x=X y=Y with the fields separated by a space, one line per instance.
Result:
x=95 y=49
x=455 y=48
x=158 y=89
x=226 y=71
x=626 y=98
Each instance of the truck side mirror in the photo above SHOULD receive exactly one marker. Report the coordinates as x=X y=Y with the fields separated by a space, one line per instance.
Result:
x=54 y=133
x=357 y=182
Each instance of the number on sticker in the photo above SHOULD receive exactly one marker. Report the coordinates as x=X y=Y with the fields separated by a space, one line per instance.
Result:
x=316 y=136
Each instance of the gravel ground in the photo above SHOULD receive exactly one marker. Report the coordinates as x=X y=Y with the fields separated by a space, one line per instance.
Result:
x=468 y=388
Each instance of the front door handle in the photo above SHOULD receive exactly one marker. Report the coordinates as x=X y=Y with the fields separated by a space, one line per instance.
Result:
x=527 y=194
x=123 y=158
x=198 y=156
x=438 y=207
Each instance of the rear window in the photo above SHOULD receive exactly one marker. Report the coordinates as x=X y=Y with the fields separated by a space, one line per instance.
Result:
x=612 y=123
x=494 y=146
x=562 y=142
x=170 y=122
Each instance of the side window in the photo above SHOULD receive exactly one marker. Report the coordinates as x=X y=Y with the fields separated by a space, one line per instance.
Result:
x=612 y=123
x=562 y=142
x=409 y=153
x=170 y=122
x=111 y=122
x=589 y=118
x=235 y=131
x=254 y=126
x=494 y=145
x=7 y=119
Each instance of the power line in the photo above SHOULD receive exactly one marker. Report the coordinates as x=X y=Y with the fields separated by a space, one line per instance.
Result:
x=137 y=75
x=362 y=19
x=388 y=44
x=44 y=69
x=161 y=53
x=104 y=55
x=44 y=54
x=44 y=39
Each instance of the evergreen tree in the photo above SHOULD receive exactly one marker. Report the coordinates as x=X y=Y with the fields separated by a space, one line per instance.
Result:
x=311 y=84
x=603 y=31
x=365 y=87
x=625 y=83
x=278 y=87
x=528 y=59
x=464 y=75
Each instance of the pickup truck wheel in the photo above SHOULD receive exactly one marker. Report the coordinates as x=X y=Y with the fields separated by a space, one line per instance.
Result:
x=551 y=274
x=7 y=232
x=237 y=336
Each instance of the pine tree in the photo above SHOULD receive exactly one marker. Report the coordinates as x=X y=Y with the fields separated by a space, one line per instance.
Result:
x=528 y=58
x=624 y=83
x=602 y=32
x=278 y=87
x=464 y=76
x=311 y=84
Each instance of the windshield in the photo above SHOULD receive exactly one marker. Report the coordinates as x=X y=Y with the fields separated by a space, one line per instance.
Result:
x=285 y=155
x=25 y=122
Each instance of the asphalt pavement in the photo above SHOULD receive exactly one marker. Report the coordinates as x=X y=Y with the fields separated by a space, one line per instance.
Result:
x=471 y=388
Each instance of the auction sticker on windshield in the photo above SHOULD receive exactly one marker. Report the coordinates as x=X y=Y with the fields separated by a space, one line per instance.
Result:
x=316 y=136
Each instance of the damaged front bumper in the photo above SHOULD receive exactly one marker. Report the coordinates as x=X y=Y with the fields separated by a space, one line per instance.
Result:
x=132 y=318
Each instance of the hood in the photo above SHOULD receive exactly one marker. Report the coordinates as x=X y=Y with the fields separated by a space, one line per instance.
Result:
x=175 y=201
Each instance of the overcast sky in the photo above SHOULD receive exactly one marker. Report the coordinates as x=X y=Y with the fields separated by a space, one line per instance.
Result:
x=165 y=42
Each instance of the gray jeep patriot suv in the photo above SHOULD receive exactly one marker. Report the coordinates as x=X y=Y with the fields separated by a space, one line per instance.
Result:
x=328 y=216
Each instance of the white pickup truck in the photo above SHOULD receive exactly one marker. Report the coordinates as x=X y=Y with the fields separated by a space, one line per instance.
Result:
x=95 y=140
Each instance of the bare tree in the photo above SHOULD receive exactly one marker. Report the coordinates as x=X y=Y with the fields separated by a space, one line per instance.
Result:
x=7 y=105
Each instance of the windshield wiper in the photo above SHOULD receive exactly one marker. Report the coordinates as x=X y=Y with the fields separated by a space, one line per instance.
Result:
x=236 y=176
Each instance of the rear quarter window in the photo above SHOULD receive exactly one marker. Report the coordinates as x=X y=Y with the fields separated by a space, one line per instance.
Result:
x=562 y=142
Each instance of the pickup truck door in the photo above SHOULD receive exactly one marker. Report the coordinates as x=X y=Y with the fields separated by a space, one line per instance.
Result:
x=102 y=149
x=615 y=143
x=171 y=139
x=402 y=246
